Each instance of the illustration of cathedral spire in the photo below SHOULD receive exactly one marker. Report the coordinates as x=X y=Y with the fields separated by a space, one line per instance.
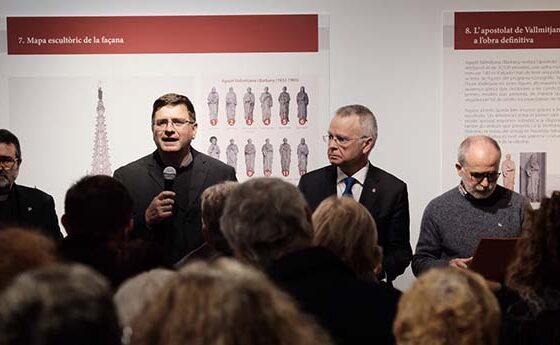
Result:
x=100 y=164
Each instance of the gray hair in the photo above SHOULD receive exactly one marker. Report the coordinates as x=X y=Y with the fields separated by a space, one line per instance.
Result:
x=466 y=145
x=265 y=217
x=137 y=291
x=59 y=304
x=368 y=121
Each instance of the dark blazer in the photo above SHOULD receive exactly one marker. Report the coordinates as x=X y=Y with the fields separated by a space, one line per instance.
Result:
x=386 y=198
x=182 y=232
x=35 y=209
x=352 y=310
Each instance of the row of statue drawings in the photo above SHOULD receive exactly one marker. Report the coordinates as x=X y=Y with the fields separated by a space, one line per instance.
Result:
x=267 y=150
x=266 y=105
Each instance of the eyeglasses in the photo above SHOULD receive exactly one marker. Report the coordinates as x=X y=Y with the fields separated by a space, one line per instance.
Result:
x=175 y=123
x=340 y=140
x=8 y=163
x=478 y=177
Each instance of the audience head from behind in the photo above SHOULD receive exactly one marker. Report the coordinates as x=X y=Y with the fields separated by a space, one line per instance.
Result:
x=99 y=206
x=535 y=271
x=346 y=227
x=264 y=219
x=137 y=291
x=448 y=306
x=212 y=206
x=223 y=302
x=59 y=304
x=22 y=250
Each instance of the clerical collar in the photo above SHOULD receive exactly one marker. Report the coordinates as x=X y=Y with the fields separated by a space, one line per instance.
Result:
x=188 y=161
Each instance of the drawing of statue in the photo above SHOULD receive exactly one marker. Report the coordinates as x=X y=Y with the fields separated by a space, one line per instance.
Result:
x=214 y=149
x=231 y=154
x=302 y=153
x=532 y=170
x=285 y=157
x=302 y=101
x=249 y=106
x=284 y=101
x=508 y=172
x=267 y=152
x=250 y=153
x=266 y=104
x=231 y=103
x=213 y=99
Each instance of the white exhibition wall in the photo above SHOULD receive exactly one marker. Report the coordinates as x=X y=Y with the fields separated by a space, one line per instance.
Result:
x=384 y=54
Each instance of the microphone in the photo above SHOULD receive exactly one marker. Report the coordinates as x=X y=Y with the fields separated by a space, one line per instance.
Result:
x=169 y=174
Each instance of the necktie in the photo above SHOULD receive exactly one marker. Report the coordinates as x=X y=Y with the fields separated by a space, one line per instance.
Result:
x=349 y=182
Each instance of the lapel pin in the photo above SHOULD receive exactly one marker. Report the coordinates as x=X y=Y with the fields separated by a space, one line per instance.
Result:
x=29 y=209
x=500 y=225
x=373 y=190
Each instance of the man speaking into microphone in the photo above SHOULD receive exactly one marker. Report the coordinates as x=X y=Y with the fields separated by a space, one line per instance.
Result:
x=166 y=185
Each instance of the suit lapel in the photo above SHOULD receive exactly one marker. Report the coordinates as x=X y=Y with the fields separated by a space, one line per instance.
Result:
x=155 y=171
x=199 y=174
x=369 y=191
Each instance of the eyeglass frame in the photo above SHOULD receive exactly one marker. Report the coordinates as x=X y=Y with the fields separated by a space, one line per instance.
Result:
x=339 y=140
x=175 y=123
x=490 y=176
x=8 y=159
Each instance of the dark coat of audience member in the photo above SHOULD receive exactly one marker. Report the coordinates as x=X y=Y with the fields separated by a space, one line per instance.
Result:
x=531 y=301
x=22 y=250
x=268 y=224
x=58 y=304
x=212 y=203
x=98 y=215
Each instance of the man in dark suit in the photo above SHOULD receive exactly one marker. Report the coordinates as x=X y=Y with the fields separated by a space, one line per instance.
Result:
x=172 y=218
x=351 y=137
x=19 y=205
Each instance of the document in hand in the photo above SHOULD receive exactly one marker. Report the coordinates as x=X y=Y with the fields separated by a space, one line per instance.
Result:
x=493 y=256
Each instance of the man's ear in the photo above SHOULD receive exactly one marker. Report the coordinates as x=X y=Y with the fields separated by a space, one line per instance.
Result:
x=459 y=169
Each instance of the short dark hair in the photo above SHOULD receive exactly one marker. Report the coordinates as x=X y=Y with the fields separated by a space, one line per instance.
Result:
x=7 y=137
x=173 y=99
x=98 y=204
x=59 y=304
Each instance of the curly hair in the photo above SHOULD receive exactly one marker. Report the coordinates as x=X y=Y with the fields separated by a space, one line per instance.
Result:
x=448 y=306
x=537 y=264
x=345 y=227
x=224 y=303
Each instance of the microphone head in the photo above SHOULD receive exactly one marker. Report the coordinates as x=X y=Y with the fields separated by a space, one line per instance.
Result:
x=169 y=173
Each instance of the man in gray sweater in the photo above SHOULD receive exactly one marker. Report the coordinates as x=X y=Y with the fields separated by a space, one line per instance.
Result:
x=454 y=222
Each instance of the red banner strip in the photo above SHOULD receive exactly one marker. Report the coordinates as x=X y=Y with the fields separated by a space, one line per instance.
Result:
x=507 y=30
x=162 y=34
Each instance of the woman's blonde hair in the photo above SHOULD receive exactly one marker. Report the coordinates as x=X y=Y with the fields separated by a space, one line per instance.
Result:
x=347 y=228
x=224 y=303
x=448 y=306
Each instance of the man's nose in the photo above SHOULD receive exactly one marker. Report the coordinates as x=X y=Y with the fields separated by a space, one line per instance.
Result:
x=485 y=182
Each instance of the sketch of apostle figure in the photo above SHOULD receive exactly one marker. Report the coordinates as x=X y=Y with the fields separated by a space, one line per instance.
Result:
x=302 y=101
x=302 y=153
x=266 y=104
x=532 y=170
x=508 y=172
x=285 y=157
x=231 y=103
x=231 y=154
x=213 y=99
x=267 y=152
x=250 y=154
x=284 y=101
x=249 y=106
x=214 y=149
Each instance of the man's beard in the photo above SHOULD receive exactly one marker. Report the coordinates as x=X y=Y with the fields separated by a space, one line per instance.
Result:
x=5 y=184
